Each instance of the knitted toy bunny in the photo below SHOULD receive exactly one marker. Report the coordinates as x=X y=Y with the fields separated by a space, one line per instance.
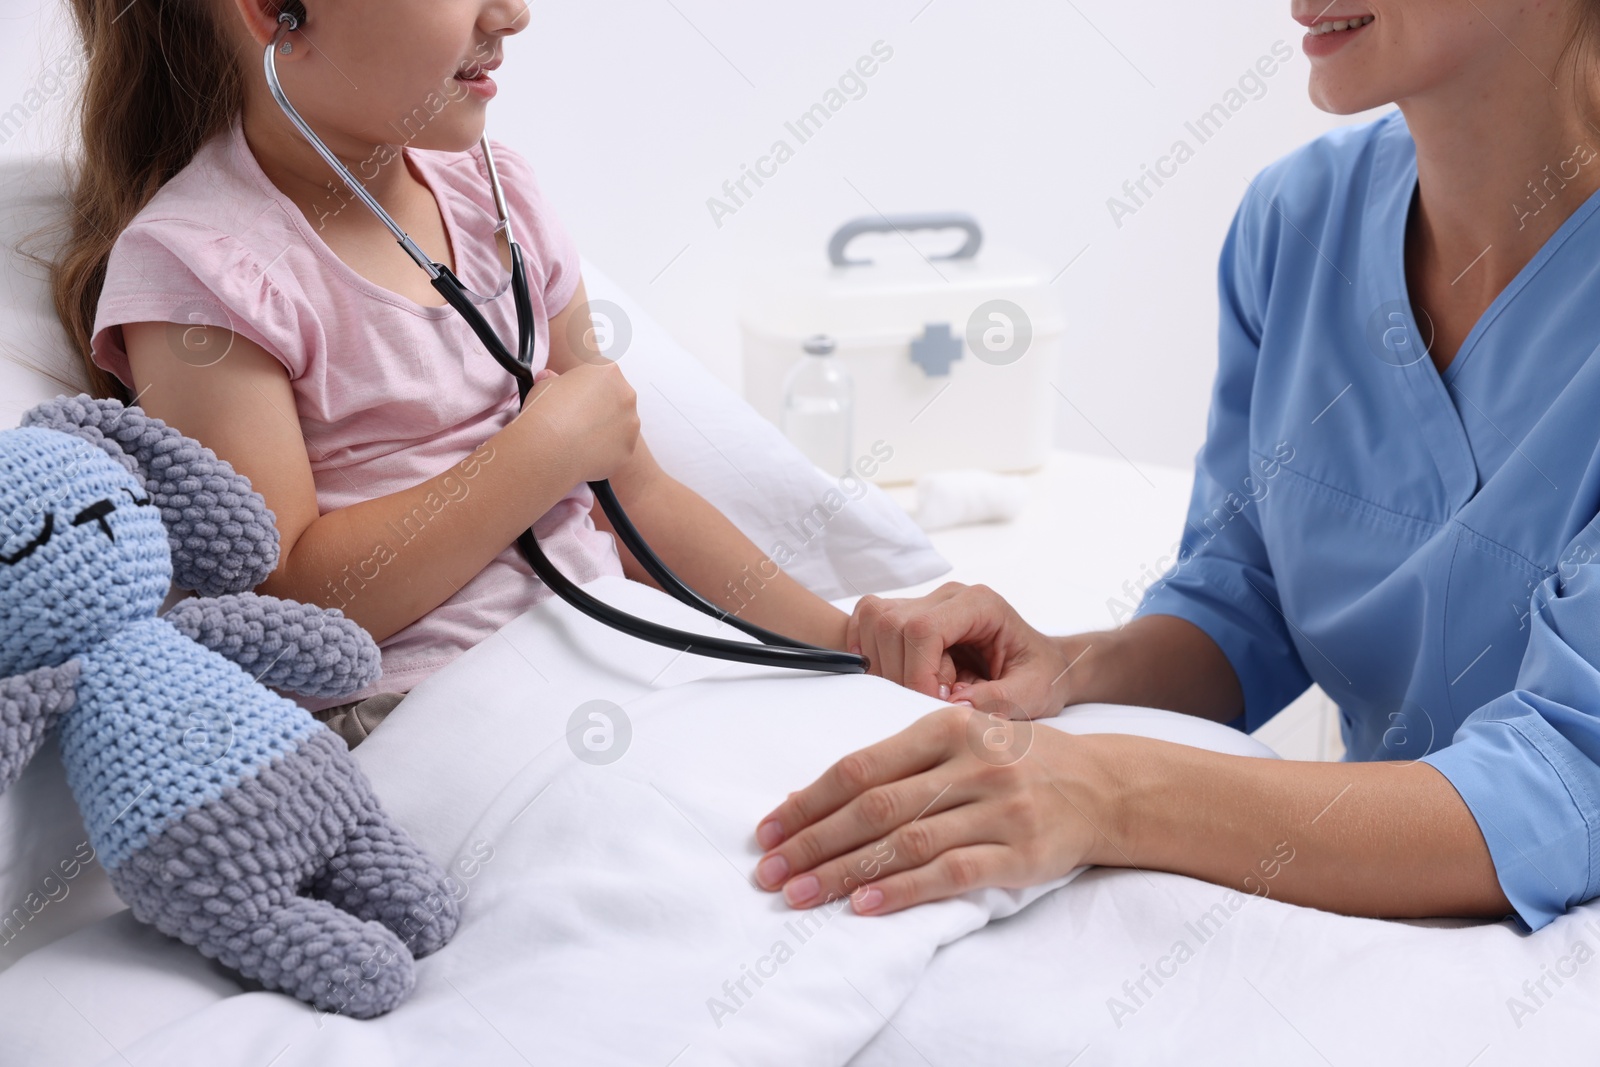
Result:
x=224 y=814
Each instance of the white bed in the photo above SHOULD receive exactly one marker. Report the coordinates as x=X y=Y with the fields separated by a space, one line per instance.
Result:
x=609 y=914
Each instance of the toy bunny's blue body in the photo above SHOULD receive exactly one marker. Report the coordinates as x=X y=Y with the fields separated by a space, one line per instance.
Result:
x=163 y=726
x=223 y=813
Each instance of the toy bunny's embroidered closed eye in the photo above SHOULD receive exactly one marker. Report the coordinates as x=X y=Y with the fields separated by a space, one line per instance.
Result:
x=98 y=510
x=223 y=813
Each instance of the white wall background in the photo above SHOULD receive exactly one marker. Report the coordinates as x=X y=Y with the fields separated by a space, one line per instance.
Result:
x=1027 y=113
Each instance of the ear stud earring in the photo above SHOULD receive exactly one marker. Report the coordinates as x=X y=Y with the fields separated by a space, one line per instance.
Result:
x=286 y=48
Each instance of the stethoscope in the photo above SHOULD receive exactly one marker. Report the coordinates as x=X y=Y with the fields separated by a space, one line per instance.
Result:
x=776 y=650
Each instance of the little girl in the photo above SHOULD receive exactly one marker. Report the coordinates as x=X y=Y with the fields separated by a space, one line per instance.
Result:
x=215 y=278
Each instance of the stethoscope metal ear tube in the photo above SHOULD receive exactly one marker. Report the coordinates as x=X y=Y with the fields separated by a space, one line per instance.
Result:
x=776 y=649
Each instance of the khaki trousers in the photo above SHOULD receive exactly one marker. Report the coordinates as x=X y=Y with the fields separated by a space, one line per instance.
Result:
x=356 y=720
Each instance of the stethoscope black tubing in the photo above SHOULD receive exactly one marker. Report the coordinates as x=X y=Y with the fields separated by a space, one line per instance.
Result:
x=776 y=649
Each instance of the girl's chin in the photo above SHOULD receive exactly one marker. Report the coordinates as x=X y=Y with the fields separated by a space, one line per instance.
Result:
x=458 y=136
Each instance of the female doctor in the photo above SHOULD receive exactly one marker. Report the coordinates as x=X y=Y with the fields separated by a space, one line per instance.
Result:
x=1396 y=500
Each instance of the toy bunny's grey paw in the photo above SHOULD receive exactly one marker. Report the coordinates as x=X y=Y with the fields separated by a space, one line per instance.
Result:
x=30 y=706
x=345 y=655
x=357 y=650
x=284 y=644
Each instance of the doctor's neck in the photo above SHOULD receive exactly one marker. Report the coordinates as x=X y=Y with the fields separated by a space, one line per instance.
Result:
x=1501 y=99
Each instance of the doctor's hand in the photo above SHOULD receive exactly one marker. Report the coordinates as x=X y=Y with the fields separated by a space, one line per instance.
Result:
x=957 y=801
x=588 y=416
x=964 y=644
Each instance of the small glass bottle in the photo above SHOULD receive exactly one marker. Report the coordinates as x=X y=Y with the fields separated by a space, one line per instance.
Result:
x=819 y=406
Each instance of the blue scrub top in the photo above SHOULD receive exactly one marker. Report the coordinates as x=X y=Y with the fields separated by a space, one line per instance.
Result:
x=1422 y=546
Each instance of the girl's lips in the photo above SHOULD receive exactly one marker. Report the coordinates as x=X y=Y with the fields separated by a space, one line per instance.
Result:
x=482 y=85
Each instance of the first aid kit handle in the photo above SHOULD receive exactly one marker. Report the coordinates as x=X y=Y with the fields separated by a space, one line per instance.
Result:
x=938 y=220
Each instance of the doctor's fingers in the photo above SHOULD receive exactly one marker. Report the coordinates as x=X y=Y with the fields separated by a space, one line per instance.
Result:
x=906 y=640
x=956 y=871
x=1004 y=824
x=1034 y=679
x=969 y=668
x=872 y=608
x=927 y=743
x=878 y=640
x=926 y=665
x=937 y=856
x=1017 y=695
x=974 y=627
x=882 y=641
x=883 y=822
x=852 y=634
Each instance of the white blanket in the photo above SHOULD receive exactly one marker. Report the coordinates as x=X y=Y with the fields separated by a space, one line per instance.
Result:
x=609 y=916
x=1271 y=983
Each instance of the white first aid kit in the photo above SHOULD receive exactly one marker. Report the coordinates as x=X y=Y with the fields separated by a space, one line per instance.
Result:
x=951 y=359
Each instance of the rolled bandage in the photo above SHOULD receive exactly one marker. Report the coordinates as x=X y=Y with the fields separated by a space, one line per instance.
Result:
x=963 y=497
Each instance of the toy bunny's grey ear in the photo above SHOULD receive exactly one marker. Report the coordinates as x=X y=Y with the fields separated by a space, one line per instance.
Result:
x=224 y=538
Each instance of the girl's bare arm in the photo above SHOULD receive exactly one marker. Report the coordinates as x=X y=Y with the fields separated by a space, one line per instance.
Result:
x=385 y=562
x=716 y=560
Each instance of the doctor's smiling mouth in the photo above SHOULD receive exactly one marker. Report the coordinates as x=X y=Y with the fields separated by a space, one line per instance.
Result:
x=1328 y=31
x=1358 y=49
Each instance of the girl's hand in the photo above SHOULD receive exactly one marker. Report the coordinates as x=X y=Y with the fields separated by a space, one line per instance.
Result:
x=957 y=801
x=590 y=416
x=965 y=644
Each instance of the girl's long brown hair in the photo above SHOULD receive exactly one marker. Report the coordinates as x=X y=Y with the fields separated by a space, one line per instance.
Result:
x=160 y=78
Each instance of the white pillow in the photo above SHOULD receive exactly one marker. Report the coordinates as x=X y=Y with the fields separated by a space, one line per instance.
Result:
x=46 y=890
x=839 y=537
x=37 y=361
x=701 y=432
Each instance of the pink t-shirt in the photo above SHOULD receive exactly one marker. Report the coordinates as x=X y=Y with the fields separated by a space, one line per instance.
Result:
x=389 y=392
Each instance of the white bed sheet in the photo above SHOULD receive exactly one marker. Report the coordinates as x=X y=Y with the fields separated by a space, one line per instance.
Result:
x=606 y=906
x=1271 y=983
